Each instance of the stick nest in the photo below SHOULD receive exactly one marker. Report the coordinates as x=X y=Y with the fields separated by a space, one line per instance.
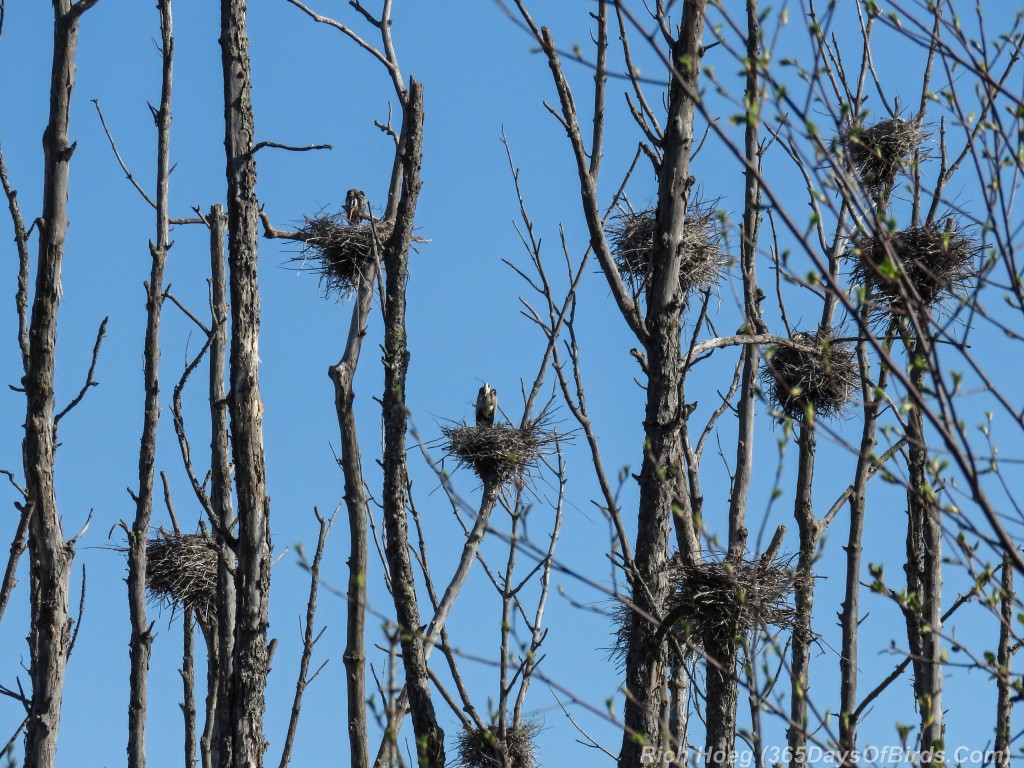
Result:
x=717 y=601
x=181 y=572
x=632 y=240
x=342 y=254
x=879 y=152
x=481 y=747
x=815 y=379
x=915 y=268
x=500 y=452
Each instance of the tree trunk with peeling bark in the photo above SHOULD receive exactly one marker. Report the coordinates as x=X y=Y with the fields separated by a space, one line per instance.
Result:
x=252 y=579
x=51 y=555
x=221 y=646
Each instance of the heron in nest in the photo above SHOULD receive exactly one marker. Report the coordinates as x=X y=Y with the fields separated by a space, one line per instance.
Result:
x=355 y=207
x=486 y=406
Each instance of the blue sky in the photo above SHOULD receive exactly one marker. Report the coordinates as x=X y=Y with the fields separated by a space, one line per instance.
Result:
x=313 y=86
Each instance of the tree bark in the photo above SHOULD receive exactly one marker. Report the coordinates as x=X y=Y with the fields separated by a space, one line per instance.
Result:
x=1004 y=657
x=662 y=477
x=849 y=617
x=747 y=405
x=141 y=642
x=343 y=376
x=723 y=650
x=250 y=660
x=428 y=734
x=221 y=647
x=188 y=684
x=51 y=555
x=924 y=572
x=722 y=699
x=809 y=530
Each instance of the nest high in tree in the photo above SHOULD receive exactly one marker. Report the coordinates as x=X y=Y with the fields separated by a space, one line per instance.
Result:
x=632 y=240
x=478 y=747
x=500 y=452
x=718 y=601
x=181 y=572
x=915 y=268
x=817 y=378
x=342 y=253
x=879 y=152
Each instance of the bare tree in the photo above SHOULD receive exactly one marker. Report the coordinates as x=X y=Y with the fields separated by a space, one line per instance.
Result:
x=141 y=637
x=51 y=554
x=250 y=657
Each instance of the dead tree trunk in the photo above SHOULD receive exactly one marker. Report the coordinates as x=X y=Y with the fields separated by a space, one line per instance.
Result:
x=250 y=659
x=662 y=477
x=343 y=375
x=51 y=555
x=188 y=684
x=428 y=734
x=218 y=734
x=141 y=641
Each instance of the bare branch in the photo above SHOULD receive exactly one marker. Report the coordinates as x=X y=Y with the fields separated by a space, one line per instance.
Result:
x=21 y=243
x=89 y=380
x=273 y=144
x=17 y=548
x=309 y=638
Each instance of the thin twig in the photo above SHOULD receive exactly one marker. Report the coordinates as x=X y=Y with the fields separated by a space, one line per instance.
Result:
x=89 y=380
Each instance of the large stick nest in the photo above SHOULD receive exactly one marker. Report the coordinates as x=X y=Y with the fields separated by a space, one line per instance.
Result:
x=879 y=152
x=631 y=234
x=716 y=601
x=341 y=253
x=181 y=572
x=915 y=268
x=481 y=747
x=813 y=379
x=501 y=452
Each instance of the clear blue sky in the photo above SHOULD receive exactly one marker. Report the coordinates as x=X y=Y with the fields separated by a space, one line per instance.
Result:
x=313 y=86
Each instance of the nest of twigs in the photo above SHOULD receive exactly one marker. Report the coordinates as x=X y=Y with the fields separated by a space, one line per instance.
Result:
x=813 y=380
x=631 y=234
x=500 y=452
x=481 y=747
x=879 y=152
x=181 y=572
x=341 y=253
x=915 y=268
x=716 y=601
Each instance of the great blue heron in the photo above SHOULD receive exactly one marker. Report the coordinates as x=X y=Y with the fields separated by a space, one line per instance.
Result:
x=486 y=406
x=355 y=206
